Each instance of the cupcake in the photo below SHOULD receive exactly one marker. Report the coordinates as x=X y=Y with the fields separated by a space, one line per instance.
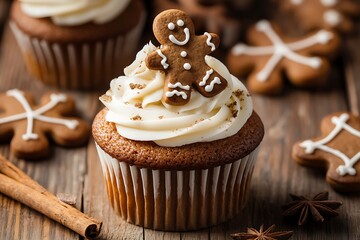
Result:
x=177 y=152
x=77 y=44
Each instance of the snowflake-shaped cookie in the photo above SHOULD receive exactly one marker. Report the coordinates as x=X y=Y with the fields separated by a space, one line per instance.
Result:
x=338 y=149
x=31 y=125
x=273 y=55
x=334 y=15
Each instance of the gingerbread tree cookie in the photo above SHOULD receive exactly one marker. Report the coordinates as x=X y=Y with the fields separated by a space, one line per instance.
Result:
x=334 y=15
x=273 y=55
x=212 y=17
x=338 y=150
x=182 y=58
x=31 y=125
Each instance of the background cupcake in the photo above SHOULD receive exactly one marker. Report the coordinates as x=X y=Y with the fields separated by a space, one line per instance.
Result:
x=77 y=44
x=176 y=167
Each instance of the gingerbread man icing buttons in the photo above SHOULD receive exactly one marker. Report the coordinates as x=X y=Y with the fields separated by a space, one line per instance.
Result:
x=337 y=150
x=30 y=125
x=334 y=15
x=182 y=58
x=210 y=16
x=271 y=56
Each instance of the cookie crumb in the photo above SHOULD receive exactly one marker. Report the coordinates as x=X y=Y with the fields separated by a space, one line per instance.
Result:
x=238 y=93
x=106 y=98
x=136 y=118
x=138 y=105
x=137 y=86
x=161 y=117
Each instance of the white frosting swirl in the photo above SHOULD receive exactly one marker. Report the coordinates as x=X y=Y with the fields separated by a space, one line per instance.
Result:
x=75 y=12
x=136 y=107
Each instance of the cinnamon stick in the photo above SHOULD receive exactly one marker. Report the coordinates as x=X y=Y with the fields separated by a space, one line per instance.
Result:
x=19 y=186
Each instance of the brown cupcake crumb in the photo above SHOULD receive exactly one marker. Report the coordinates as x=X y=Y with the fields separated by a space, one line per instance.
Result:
x=106 y=98
x=136 y=118
x=137 y=86
x=138 y=105
x=238 y=93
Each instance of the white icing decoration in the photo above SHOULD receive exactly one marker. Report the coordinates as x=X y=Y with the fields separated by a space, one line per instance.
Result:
x=208 y=41
x=183 y=54
x=280 y=50
x=206 y=77
x=340 y=124
x=332 y=17
x=32 y=115
x=329 y=3
x=171 y=26
x=180 y=23
x=181 y=43
x=164 y=59
x=179 y=85
x=187 y=66
x=177 y=93
x=210 y=87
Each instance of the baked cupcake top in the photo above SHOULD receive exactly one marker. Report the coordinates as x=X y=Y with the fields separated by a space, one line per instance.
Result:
x=71 y=13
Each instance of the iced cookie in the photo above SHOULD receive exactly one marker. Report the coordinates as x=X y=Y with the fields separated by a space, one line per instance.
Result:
x=211 y=16
x=30 y=125
x=334 y=15
x=182 y=57
x=337 y=150
x=270 y=55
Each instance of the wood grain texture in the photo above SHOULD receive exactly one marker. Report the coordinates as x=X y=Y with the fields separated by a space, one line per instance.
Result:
x=293 y=116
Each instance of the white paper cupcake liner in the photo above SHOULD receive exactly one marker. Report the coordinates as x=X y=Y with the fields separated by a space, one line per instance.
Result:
x=177 y=200
x=78 y=65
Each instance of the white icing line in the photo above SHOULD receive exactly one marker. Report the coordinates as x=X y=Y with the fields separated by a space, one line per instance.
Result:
x=177 y=93
x=206 y=77
x=179 y=85
x=181 y=43
x=340 y=124
x=208 y=41
x=164 y=59
x=210 y=87
x=31 y=115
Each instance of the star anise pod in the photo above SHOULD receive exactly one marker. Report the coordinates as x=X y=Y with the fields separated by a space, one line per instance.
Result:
x=268 y=234
x=319 y=207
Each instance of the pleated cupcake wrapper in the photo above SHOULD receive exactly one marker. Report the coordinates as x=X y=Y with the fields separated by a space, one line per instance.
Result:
x=78 y=65
x=177 y=200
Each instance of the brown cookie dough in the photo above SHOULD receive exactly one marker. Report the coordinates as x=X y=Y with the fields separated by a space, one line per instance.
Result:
x=182 y=58
x=30 y=125
x=336 y=15
x=337 y=150
x=270 y=55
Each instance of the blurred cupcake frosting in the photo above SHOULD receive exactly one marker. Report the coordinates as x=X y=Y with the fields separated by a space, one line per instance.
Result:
x=136 y=107
x=72 y=13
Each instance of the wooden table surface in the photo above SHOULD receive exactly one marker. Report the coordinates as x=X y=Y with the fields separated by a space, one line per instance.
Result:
x=291 y=117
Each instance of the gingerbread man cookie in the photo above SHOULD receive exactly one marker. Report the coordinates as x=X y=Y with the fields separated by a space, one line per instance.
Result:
x=338 y=150
x=212 y=16
x=334 y=15
x=273 y=55
x=182 y=58
x=31 y=125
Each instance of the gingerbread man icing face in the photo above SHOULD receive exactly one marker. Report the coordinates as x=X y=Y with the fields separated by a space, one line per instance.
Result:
x=182 y=58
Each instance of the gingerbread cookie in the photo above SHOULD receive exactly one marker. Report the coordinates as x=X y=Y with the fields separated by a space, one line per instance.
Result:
x=31 y=125
x=182 y=58
x=272 y=55
x=208 y=16
x=338 y=150
x=334 y=15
